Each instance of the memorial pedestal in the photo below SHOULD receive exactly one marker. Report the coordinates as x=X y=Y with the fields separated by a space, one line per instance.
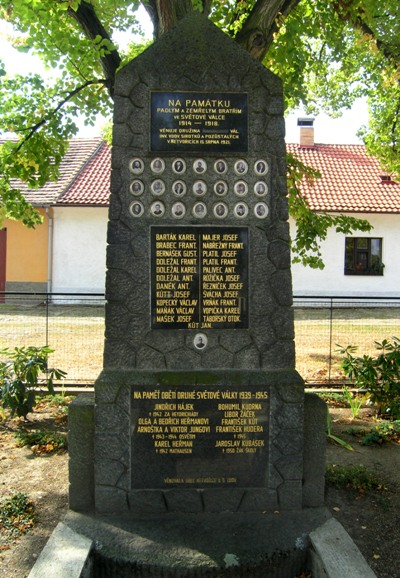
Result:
x=202 y=436
x=202 y=545
x=200 y=442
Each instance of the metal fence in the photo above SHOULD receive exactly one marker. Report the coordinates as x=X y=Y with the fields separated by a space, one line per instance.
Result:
x=73 y=325
x=325 y=324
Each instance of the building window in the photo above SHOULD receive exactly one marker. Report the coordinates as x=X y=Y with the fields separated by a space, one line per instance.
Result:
x=363 y=256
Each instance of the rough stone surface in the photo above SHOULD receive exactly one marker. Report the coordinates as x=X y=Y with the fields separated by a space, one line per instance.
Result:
x=81 y=452
x=336 y=554
x=314 y=451
x=184 y=500
x=197 y=545
x=66 y=555
x=165 y=66
x=113 y=469
x=197 y=56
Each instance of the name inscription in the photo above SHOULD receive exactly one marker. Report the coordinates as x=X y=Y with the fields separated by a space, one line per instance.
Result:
x=196 y=436
x=182 y=121
x=199 y=277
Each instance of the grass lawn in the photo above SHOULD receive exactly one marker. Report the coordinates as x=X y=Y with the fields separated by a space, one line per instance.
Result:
x=317 y=338
x=76 y=333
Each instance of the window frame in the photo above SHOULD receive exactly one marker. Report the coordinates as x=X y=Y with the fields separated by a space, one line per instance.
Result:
x=361 y=258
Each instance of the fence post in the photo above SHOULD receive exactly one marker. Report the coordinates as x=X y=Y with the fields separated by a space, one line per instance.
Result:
x=47 y=319
x=330 y=340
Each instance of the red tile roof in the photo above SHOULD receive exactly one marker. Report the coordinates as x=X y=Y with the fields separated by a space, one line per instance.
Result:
x=350 y=180
x=92 y=185
x=78 y=155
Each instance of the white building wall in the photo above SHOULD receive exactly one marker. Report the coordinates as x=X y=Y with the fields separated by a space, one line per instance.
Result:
x=332 y=281
x=79 y=249
x=79 y=257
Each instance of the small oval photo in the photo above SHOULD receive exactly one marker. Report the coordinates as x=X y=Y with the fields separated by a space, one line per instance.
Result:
x=200 y=341
x=157 y=166
x=136 y=187
x=157 y=187
x=261 y=210
x=136 y=166
x=199 y=188
x=240 y=188
x=261 y=167
x=220 y=188
x=260 y=188
x=178 y=166
x=220 y=210
x=220 y=166
x=179 y=188
x=136 y=209
x=157 y=209
x=199 y=210
x=241 y=210
x=199 y=166
x=178 y=210
x=241 y=167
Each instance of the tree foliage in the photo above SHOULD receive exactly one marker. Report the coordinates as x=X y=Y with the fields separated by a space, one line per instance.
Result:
x=327 y=53
x=378 y=375
x=311 y=227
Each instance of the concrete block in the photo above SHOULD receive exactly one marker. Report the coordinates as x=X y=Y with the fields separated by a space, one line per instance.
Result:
x=66 y=555
x=336 y=554
x=81 y=452
x=314 y=451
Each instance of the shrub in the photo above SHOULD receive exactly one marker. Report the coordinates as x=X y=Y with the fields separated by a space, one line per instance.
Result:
x=386 y=431
x=44 y=442
x=378 y=375
x=25 y=369
x=357 y=478
x=17 y=515
x=335 y=399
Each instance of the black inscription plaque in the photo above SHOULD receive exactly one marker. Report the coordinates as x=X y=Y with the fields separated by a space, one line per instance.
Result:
x=197 y=436
x=199 y=277
x=197 y=121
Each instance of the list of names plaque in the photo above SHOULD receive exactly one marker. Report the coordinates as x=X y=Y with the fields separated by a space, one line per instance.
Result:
x=189 y=436
x=199 y=277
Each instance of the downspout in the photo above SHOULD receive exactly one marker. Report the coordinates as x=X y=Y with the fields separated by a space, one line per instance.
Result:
x=49 y=250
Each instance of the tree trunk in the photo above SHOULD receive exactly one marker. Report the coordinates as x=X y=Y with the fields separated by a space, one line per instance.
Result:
x=257 y=33
x=255 y=36
x=86 y=16
x=165 y=14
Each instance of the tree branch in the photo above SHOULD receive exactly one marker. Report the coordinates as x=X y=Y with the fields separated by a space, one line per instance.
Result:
x=33 y=129
x=257 y=33
x=357 y=19
x=206 y=6
x=87 y=18
x=395 y=123
x=151 y=8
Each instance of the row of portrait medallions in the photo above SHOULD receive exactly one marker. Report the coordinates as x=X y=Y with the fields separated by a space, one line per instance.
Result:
x=199 y=210
x=199 y=166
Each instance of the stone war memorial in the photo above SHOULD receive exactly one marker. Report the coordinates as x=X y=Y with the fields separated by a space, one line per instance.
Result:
x=200 y=453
